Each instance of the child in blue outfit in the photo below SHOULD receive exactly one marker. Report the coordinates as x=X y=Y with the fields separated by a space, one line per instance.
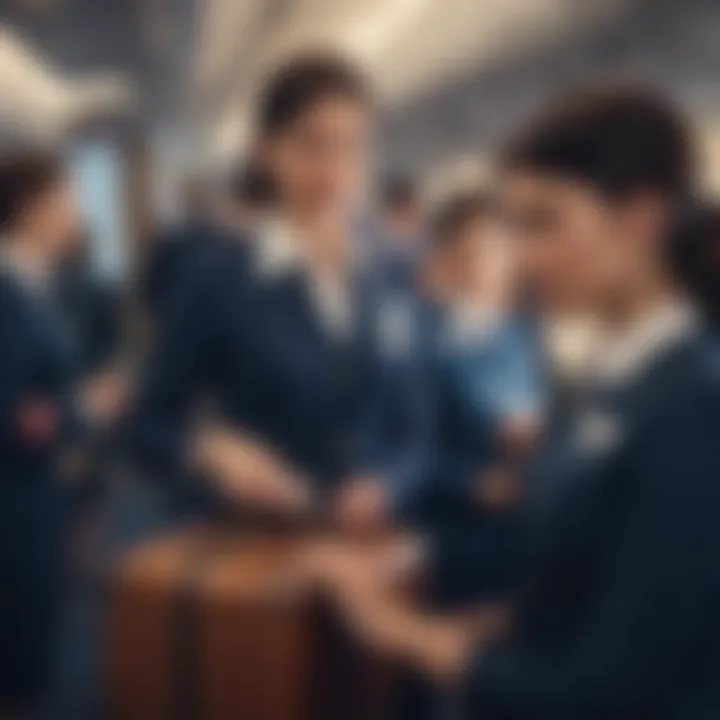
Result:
x=488 y=394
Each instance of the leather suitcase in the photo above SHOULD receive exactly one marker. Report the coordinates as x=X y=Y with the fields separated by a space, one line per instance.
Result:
x=200 y=628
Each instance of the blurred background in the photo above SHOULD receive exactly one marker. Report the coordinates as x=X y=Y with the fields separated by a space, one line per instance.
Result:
x=143 y=95
x=149 y=91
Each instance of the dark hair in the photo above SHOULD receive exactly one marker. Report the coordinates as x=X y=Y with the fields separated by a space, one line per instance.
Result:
x=304 y=81
x=620 y=140
x=398 y=192
x=623 y=141
x=24 y=176
x=250 y=185
x=456 y=212
x=694 y=255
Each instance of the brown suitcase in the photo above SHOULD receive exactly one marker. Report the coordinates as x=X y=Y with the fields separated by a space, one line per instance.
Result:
x=199 y=629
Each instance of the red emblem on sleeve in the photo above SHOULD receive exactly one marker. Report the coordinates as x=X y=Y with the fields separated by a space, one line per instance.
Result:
x=37 y=421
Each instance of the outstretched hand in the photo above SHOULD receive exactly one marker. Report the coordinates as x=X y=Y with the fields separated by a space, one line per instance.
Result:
x=250 y=474
x=383 y=618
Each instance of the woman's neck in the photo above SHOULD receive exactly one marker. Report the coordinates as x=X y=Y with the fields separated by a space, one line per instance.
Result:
x=324 y=241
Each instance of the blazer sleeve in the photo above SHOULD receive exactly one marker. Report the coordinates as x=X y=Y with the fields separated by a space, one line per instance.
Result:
x=408 y=466
x=176 y=372
x=403 y=460
x=650 y=630
x=14 y=362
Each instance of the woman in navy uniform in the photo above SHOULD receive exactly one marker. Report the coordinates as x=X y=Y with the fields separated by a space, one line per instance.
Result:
x=615 y=614
x=277 y=331
x=37 y=370
x=488 y=374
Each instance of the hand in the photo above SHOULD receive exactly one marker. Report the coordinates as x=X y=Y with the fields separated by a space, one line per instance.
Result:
x=383 y=620
x=497 y=489
x=362 y=504
x=249 y=473
x=394 y=563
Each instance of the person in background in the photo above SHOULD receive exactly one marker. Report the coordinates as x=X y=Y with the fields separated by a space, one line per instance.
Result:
x=38 y=422
x=487 y=384
x=615 y=614
x=278 y=333
x=488 y=391
x=402 y=229
x=92 y=306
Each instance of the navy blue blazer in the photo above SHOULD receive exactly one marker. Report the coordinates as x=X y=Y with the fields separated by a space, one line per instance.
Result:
x=39 y=362
x=255 y=346
x=173 y=250
x=617 y=612
x=37 y=366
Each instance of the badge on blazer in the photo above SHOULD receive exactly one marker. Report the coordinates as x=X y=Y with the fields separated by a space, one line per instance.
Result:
x=396 y=327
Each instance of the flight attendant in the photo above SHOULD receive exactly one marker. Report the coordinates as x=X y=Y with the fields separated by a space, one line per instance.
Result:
x=278 y=332
x=38 y=422
x=616 y=614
